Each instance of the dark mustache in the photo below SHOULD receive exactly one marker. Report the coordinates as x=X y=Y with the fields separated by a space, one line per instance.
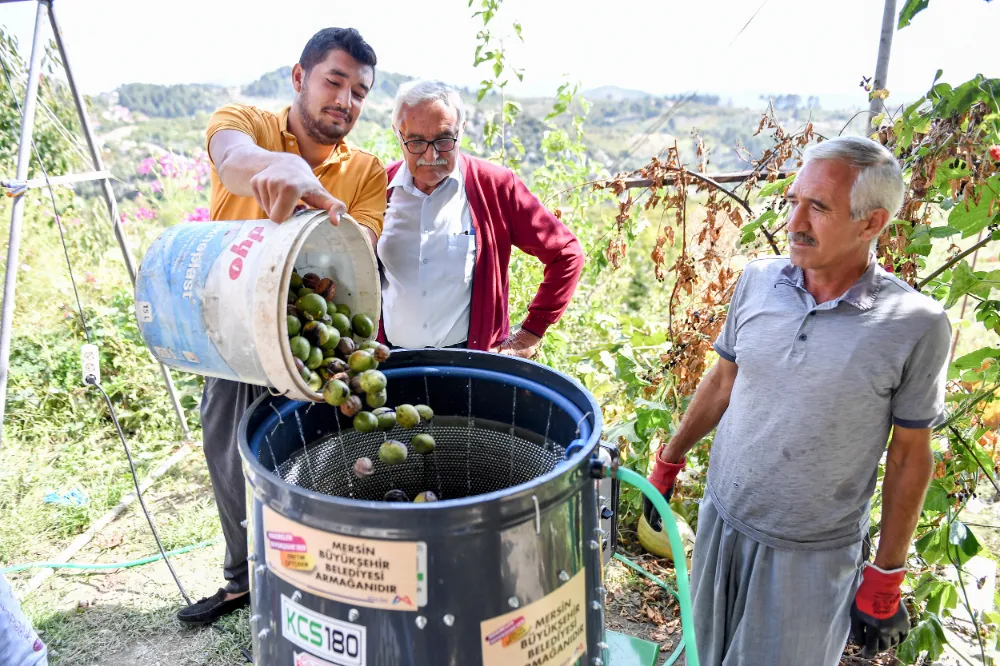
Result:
x=347 y=114
x=796 y=237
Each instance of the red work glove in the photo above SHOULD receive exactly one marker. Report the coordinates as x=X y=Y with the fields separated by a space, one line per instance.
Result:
x=879 y=620
x=663 y=477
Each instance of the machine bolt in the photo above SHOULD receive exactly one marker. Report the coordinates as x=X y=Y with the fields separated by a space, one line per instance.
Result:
x=261 y=568
x=255 y=618
x=296 y=595
x=421 y=622
x=251 y=557
x=353 y=615
x=599 y=531
x=604 y=544
x=448 y=620
x=597 y=661
x=514 y=603
x=263 y=633
x=593 y=545
x=602 y=646
x=563 y=576
x=243 y=524
x=601 y=498
x=596 y=605
x=601 y=592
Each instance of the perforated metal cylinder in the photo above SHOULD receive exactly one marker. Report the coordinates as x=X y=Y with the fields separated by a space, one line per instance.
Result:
x=511 y=533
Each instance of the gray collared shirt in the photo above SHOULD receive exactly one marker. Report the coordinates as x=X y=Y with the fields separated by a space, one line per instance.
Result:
x=795 y=458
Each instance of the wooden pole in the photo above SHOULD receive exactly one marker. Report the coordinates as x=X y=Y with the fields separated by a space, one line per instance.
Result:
x=882 y=64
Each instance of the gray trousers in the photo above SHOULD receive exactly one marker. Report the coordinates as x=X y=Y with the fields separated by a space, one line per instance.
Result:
x=222 y=405
x=755 y=605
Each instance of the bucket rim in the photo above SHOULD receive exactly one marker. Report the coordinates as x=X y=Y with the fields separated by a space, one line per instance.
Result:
x=576 y=462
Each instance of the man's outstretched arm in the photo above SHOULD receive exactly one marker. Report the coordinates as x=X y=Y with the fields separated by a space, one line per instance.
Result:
x=276 y=180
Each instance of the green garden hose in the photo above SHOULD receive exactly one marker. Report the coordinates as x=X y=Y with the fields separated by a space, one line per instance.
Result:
x=675 y=655
x=111 y=565
x=680 y=565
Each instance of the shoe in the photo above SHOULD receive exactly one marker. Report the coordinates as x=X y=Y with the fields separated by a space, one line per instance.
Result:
x=210 y=609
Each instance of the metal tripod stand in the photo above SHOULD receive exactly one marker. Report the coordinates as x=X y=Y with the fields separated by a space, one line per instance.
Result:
x=45 y=11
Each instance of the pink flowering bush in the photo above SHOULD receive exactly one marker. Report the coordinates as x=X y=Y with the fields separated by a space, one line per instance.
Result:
x=200 y=214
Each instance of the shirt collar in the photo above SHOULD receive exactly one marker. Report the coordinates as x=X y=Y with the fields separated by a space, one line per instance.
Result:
x=862 y=293
x=340 y=153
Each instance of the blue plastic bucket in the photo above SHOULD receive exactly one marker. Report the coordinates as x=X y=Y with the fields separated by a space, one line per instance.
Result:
x=211 y=297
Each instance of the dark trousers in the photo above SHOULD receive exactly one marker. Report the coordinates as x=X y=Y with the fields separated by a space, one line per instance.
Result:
x=222 y=406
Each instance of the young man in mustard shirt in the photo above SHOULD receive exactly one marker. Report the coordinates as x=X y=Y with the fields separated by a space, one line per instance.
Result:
x=263 y=166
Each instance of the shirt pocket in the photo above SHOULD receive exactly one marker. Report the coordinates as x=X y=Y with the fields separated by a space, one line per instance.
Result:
x=462 y=252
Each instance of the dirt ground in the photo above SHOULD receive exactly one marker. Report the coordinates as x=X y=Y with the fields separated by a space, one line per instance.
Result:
x=126 y=617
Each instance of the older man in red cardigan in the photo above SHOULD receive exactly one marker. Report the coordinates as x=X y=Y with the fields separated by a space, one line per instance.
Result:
x=450 y=223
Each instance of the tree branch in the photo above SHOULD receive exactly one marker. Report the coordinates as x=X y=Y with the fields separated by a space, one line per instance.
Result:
x=957 y=258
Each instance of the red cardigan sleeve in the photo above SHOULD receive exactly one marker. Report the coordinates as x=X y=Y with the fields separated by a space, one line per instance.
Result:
x=536 y=231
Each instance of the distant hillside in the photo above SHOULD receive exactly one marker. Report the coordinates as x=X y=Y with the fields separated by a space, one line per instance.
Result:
x=614 y=94
x=278 y=84
x=176 y=101
x=623 y=129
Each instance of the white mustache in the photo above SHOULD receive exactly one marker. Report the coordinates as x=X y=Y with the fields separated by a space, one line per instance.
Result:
x=438 y=162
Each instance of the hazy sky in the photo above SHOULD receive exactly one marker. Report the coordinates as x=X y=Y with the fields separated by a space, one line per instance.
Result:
x=660 y=46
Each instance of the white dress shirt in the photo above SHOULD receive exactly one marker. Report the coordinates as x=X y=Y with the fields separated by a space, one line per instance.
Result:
x=428 y=252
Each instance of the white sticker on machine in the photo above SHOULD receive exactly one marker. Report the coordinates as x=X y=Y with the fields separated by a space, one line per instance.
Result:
x=337 y=642
x=549 y=632
x=391 y=575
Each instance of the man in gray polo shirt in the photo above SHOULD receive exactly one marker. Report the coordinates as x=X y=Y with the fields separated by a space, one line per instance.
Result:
x=821 y=356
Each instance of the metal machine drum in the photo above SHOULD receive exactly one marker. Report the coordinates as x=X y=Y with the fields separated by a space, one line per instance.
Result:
x=505 y=568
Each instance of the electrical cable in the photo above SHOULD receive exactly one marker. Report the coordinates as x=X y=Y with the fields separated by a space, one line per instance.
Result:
x=91 y=380
x=135 y=477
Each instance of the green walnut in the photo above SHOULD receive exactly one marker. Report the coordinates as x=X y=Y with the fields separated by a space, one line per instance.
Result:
x=422 y=443
x=336 y=392
x=392 y=452
x=407 y=416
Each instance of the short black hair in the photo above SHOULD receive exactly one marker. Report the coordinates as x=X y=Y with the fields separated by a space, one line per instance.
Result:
x=348 y=40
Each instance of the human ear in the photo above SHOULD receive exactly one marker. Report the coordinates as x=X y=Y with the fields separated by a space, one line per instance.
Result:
x=875 y=223
x=297 y=74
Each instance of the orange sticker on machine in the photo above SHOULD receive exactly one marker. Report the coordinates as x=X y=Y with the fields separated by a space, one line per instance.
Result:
x=378 y=574
x=549 y=632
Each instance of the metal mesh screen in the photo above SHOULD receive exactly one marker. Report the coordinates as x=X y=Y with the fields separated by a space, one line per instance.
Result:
x=470 y=458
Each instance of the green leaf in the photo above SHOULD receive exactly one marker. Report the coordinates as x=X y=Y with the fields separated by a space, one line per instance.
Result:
x=970 y=222
x=625 y=429
x=928 y=636
x=497 y=69
x=750 y=229
x=778 y=186
x=963 y=280
x=946 y=546
x=976 y=358
x=517 y=29
x=943 y=232
x=937 y=498
x=910 y=9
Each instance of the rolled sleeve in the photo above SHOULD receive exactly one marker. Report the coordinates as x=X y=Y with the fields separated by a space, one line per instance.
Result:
x=725 y=344
x=368 y=207
x=236 y=117
x=919 y=400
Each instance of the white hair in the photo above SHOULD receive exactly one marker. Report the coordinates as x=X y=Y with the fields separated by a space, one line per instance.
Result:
x=415 y=93
x=879 y=183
